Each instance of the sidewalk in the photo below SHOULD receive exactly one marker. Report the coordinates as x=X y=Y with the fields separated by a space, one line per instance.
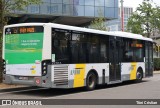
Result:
x=7 y=86
x=156 y=72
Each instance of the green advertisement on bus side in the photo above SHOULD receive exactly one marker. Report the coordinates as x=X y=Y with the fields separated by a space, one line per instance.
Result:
x=23 y=48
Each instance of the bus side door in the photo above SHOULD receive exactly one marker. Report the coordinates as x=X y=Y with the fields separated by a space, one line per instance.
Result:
x=149 y=59
x=114 y=59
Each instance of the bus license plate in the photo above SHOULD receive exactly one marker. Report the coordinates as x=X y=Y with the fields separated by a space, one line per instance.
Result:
x=23 y=78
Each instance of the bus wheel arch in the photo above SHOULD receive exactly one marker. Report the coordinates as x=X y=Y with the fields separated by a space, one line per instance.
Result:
x=139 y=74
x=91 y=79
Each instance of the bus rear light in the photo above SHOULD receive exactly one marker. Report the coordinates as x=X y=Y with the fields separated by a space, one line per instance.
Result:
x=4 y=67
x=44 y=72
x=37 y=81
x=45 y=64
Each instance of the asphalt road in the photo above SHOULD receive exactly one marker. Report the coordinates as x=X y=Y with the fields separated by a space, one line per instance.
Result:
x=149 y=88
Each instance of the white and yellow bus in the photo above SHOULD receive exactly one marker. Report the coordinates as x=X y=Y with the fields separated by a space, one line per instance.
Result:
x=60 y=56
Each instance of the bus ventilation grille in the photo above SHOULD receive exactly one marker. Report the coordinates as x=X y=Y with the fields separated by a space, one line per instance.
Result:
x=61 y=75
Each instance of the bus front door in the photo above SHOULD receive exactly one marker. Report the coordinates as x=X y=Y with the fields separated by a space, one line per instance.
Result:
x=149 y=59
x=115 y=59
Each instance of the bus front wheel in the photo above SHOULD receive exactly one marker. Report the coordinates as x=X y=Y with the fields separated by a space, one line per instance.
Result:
x=91 y=81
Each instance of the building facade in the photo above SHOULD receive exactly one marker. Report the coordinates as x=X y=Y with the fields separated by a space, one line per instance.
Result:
x=72 y=12
x=115 y=25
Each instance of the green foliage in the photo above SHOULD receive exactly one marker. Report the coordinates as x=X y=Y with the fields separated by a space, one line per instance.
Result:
x=99 y=24
x=145 y=19
x=134 y=24
x=156 y=63
x=9 y=5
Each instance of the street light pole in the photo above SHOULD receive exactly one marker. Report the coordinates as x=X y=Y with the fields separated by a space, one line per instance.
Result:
x=122 y=16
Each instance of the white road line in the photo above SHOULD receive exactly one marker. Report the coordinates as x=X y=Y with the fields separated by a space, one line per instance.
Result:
x=1 y=93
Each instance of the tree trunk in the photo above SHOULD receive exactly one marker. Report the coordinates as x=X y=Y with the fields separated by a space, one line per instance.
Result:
x=1 y=34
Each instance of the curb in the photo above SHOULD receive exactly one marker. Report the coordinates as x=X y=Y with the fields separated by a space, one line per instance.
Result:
x=156 y=72
x=18 y=88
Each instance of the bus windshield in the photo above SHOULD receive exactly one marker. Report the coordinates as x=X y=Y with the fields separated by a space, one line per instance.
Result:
x=23 y=45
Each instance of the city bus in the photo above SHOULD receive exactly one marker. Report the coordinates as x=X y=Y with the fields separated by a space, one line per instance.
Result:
x=60 y=56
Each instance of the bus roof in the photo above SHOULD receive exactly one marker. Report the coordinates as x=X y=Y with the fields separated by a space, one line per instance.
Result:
x=67 y=27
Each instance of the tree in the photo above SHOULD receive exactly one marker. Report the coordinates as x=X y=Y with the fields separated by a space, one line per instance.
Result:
x=143 y=20
x=6 y=6
x=134 y=24
x=156 y=19
x=99 y=22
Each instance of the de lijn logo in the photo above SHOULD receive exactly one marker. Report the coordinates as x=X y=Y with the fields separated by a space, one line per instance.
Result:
x=75 y=71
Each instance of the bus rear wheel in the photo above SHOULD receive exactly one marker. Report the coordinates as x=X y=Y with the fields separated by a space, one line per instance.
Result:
x=91 y=81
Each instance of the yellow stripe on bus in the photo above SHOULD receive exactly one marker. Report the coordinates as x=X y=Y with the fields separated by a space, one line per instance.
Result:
x=133 y=71
x=79 y=78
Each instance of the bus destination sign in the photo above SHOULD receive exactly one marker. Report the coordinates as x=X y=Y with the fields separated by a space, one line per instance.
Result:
x=23 y=30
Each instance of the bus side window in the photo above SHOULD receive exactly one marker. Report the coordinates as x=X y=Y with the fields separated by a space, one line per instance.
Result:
x=128 y=51
x=60 y=39
x=103 y=52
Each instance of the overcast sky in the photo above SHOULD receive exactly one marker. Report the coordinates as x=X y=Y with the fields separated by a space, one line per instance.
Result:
x=135 y=3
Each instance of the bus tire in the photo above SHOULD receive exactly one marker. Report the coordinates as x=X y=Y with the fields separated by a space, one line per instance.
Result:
x=91 y=81
x=139 y=75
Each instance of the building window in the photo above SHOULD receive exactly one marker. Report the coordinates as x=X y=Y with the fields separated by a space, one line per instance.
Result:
x=54 y=9
x=67 y=1
x=67 y=9
x=109 y=3
x=34 y=9
x=64 y=8
x=56 y=1
x=78 y=2
x=99 y=2
x=99 y=11
x=109 y=12
x=89 y=2
x=78 y=10
x=89 y=10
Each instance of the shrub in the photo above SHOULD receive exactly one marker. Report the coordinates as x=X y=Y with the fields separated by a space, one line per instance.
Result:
x=156 y=63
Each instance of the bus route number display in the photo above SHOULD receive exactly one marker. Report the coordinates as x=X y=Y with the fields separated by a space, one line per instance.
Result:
x=23 y=30
x=27 y=30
